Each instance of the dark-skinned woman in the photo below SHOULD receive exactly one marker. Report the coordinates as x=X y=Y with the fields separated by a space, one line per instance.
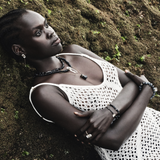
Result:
x=92 y=99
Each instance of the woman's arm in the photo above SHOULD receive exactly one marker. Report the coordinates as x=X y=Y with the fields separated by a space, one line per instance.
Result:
x=99 y=121
x=51 y=104
x=125 y=126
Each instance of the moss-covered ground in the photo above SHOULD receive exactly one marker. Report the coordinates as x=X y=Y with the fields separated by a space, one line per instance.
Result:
x=124 y=32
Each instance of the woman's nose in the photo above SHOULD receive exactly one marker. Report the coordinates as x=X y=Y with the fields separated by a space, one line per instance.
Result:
x=49 y=34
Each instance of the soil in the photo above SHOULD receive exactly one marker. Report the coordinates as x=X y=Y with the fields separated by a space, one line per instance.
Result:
x=124 y=32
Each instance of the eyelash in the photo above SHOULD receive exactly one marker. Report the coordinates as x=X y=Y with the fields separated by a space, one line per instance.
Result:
x=39 y=31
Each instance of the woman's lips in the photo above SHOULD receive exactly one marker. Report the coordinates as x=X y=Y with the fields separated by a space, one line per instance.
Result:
x=56 y=42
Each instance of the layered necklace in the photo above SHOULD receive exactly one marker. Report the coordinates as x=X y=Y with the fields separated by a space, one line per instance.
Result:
x=59 y=70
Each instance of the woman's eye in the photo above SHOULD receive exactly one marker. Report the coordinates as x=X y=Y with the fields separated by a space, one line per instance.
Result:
x=38 y=33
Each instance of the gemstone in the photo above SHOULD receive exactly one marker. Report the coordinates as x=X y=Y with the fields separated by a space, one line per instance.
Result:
x=83 y=76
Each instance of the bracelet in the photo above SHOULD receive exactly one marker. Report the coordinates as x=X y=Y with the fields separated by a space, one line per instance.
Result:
x=115 y=117
x=118 y=112
x=113 y=114
x=154 y=89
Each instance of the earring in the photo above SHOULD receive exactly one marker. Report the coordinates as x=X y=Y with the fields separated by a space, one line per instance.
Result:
x=24 y=57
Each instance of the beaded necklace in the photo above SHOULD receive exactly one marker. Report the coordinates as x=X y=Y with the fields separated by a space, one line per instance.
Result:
x=59 y=70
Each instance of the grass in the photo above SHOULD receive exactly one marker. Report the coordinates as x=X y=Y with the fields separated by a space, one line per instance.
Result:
x=118 y=54
x=16 y=115
x=25 y=153
x=139 y=65
x=115 y=56
x=138 y=25
x=142 y=58
x=127 y=13
x=96 y=32
x=2 y=110
x=97 y=11
x=49 y=12
x=108 y=58
x=123 y=38
x=103 y=24
x=88 y=1
x=136 y=38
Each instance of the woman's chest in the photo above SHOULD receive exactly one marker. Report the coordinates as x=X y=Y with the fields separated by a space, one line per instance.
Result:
x=83 y=71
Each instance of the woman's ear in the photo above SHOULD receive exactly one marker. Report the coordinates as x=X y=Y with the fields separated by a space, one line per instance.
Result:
x=17 y=49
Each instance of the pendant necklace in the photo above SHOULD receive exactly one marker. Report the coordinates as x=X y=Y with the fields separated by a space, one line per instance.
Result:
x=59 y=70
x=76 y=72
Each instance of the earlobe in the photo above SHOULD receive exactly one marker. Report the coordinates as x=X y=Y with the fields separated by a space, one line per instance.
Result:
x=17 y=49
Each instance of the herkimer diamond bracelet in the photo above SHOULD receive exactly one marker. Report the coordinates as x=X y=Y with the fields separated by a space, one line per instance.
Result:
x=151 y=85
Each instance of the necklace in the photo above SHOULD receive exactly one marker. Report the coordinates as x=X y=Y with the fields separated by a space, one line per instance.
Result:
x=59 y=70
x=76 y=72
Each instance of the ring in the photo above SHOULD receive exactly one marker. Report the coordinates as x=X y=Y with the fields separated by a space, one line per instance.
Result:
x=88 y=135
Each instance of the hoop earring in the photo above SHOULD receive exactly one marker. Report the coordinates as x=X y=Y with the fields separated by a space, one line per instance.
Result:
x=24 y=57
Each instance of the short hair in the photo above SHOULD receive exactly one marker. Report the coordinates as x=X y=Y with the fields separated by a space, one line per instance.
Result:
x=9 y=31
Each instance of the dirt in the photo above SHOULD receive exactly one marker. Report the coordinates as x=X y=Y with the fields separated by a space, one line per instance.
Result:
x=124 y=32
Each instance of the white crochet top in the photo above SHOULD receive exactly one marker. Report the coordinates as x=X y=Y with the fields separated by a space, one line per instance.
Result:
x=144 y=144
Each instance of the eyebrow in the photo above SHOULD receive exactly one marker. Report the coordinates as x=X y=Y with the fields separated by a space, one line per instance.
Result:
x=45 y=20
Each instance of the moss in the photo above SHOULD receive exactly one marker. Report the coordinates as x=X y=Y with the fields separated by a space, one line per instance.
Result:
x=74 y=22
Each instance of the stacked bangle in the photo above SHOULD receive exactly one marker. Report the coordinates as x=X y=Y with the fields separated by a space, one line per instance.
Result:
x=118 y=112
x=151 y=85
x=114 y=115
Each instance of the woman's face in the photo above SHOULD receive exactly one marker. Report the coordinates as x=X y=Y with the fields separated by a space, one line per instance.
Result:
x=39 y=40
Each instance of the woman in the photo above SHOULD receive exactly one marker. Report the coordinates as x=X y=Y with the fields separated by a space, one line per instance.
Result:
x=83 y=93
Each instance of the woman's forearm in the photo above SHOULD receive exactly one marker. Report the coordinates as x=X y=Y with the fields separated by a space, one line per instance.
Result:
x=125 y=126
x=125 y=97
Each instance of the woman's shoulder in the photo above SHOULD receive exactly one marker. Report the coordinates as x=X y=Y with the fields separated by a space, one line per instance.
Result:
x=73 y=48
x=43 y=90
x=76 y=49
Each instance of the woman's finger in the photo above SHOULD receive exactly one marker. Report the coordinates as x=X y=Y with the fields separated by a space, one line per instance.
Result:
x=90 y=136
x=97 y=138
x=84 y=114
x=98 y=131
x=133 y=77
x=144 y=78
x=82 y=130
x=86 y=125
x=92 y=130
x=130 y=75
x=102 y=129
x=87 y=129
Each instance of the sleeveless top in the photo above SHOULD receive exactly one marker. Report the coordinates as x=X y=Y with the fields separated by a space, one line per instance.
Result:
x=144 y=142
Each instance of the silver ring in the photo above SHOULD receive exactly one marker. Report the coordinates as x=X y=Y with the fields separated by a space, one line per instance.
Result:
x=88 y=135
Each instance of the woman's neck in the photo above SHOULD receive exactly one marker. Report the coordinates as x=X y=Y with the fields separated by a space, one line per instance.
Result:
x=47 y=64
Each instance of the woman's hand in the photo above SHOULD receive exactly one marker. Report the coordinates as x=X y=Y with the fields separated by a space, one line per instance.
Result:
x=138 y=80
x=96 y=125
x=142 y=80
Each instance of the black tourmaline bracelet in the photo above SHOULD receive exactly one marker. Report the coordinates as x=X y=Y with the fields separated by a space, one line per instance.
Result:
x=151 y=85
x=118 y=112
